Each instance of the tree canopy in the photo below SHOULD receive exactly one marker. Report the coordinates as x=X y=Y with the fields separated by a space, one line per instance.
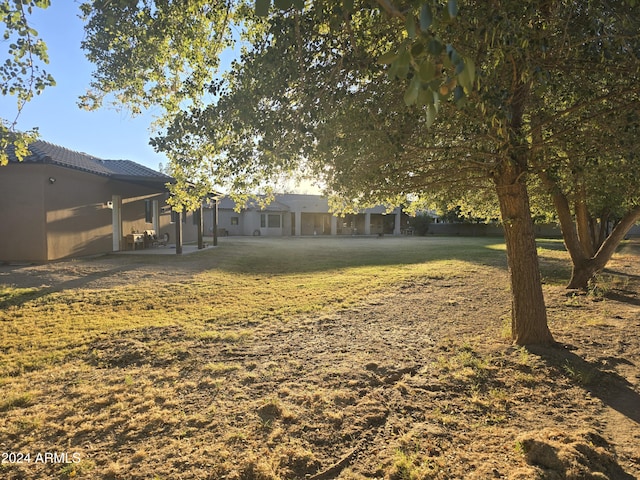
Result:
x=21 y=74
x=395 y=102
x=388 y=101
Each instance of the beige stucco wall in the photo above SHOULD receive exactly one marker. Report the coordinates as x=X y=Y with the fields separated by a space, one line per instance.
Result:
x=42 y=220
x=78 y=220
x=22 y=233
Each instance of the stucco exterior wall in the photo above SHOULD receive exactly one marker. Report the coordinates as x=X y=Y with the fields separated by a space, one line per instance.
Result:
x=304 y=215
x=49 y=212
x=225 y=221
x=77 y=217
x=251 y=222
x=22 y=214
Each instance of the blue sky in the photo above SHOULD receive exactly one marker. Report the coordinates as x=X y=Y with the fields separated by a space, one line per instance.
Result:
x=105 y=133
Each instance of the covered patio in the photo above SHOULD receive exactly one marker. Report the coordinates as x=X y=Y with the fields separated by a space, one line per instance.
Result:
x=170 y=249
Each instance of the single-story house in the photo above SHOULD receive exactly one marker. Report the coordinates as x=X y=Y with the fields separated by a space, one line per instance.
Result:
x=300 y=215
x=58 y=203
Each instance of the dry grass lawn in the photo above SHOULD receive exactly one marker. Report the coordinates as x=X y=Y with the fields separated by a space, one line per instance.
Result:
x=316 y=358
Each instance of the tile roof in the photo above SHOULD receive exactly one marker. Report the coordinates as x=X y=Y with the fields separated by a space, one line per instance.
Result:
x=131 y=169
x=294 y=202
x=45 y=152
x=228 y=203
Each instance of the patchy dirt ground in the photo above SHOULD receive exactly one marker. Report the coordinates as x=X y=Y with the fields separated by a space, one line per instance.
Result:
x=417 y=382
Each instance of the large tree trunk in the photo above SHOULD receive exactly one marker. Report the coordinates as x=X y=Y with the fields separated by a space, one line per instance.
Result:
x=581 y=273
x=528 y=312
x=579 y=260
x=584 y=266
x=584 y=270
x=583 y=220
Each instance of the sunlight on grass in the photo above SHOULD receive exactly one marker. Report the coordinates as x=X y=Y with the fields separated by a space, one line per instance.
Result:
x=10 y=295
x=243 y=284
x=277 y=358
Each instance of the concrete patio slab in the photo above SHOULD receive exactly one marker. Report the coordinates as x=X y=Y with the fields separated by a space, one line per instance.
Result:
x=168 y=250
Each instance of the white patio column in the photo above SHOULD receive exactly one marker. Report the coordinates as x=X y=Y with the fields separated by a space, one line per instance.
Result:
x=334 y=225
x=116 y=222
x=156 y=217
x=298 y=217
x=367 y=223
x=397 y=227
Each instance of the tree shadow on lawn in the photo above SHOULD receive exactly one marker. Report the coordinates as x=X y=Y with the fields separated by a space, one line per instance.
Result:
x=33 y=293
x=612 y=389
x=621 y=297
x=622 y=274
x=554 y=270
x=551 y=244
x=309 y=255
x=248 y=256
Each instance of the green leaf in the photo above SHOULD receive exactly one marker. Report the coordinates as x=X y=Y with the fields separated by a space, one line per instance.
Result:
x=435 y=47
x=411 y=94
x=426 y=17
x=404 y=58
x=471 y=66
x=467 y=75
x=431 y=114
x=427 y=70
x=425 y=97
x=387 y=58
x=411 y=25
x=416 y=49
x=452 y=8
x=454 y=56
x=393 y=71
x=403 y=71
x=262 y=7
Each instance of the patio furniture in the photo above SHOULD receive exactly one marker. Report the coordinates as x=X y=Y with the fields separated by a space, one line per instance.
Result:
x=135 y=240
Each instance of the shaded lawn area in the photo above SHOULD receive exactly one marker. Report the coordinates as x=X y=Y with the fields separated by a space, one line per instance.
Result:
x=314 y=358
x=58 y=308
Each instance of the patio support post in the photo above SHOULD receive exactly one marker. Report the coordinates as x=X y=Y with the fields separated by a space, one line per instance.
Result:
x=179 y=233
x=298 y=220
x=215 y=222
x=367 y=223
x=334 y=225
x=116 y=220
x=200 y=227
x=397 y=227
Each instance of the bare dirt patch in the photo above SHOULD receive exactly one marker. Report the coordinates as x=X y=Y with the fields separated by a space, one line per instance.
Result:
x=415 y=382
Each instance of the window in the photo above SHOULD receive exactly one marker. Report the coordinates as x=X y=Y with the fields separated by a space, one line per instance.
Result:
x=273 y=221
x=235 y=221
x=270 y=221
x=148 y=211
